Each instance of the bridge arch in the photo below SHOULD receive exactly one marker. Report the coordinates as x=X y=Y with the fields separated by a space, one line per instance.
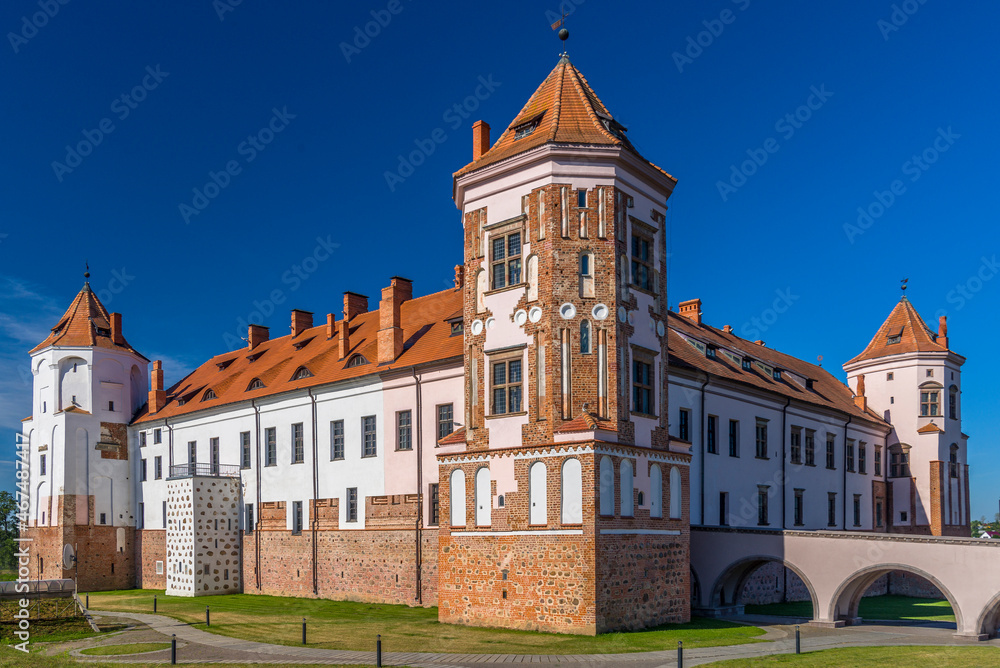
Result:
x=729 y=585
x=845 y=602
x=989 y=619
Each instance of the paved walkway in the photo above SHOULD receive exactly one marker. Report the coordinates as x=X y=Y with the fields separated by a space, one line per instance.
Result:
x=197 y=646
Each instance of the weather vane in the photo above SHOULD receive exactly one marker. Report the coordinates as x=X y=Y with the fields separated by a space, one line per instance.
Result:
x=86 y=273
x=563 y=33
x=902 y=285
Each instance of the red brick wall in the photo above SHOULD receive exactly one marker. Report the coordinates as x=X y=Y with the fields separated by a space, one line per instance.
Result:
x=101 y=565
x=150 y=547
x=643 y=581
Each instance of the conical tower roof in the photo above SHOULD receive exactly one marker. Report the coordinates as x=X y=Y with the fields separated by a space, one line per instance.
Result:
x=904 y=331
x=85 y=323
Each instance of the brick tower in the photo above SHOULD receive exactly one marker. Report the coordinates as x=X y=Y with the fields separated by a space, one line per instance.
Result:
x=568 y=508
x=87 y=384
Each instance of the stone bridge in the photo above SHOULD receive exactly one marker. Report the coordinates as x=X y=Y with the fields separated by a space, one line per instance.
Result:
x=838 y=567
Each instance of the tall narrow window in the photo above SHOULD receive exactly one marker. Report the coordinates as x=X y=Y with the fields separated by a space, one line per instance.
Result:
x=506 y=260
x=734 y=438
x=878 y=460
x=762 y=519
x=538 y=494
x=457 y=498
x=142 y=468
x=506 y=380
x=655 y=491
x=142 y=439
x=810 y=447
x=642 y=386
x=42 y=467
x=404 y=430
x=248 y=520
x=849 y=454
x=141 y=519
x=607 y=486
x=798 y=510
x=157 y=436
x=586 y=277
x=298 y=443
x=675 y=493
x=163 y=512
x=435 y=505
x=626 y=485
x=684 y=425
x=953 y=461
x=831 y=459
x=157 y=467
x=213 y=447
x=930 y=402
x=795 y=439
x=723 y=509
x=953 y=402
x=831 y=509
x=369 y=436
x=642 y=262
x=862 y=457
x=271 y=446
x=857 y=510
x=711 y=436
x=296 y=518
x=585 y=346
x=572 y=492
x=337 y=439
x=352 y=504
x=484 y=497
x=761 y=439
x=445 y=420
x=245 y=449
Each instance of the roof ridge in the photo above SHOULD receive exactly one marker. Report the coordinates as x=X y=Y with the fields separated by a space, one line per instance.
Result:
x=557 y=102
x=580 y=82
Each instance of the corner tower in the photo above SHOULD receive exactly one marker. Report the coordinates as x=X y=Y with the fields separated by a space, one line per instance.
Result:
x=88 y=382
x=909 y=375
x=568 y=507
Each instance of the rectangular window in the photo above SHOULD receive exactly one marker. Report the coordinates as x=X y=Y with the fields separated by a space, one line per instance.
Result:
x=164 y=514
x=684 y=425
x=157 y=467
x=581 y=198
x=111 y=406
x=157 y=436
x=249 y=526
x=245 y=449
x=723 y=509
x=796 y=443
x=435 y=505
x=142 y=439
x=761 y=440
x=41 y=465
x=104 y=518
x=141 y=519
x=142 y=469
x=810 y=447
x=888 y=376
x=446 y=420
x=506 y=379
x=337 y=439
x=878 y=513
x=270 y=446
x=899 y=464
x=831 y=460
x=352 y=504
x=192 y=453
x=214 y=453
x=929 y=406
x=713 y=423
x=296 y=517
x=734 y=438
x=798 y=511
x=762 y=505
x=831 y=509
x=642 y=262
x=506 y=260
x=369 y=436
x=298 y=443
x=404 y=430
x=642 y=387
x=953 y=404
x=857 y=510
x=862 y=457
x=850 y=455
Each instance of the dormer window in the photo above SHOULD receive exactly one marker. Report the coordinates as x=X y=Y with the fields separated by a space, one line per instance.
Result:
x=747 y=364
x=357 y=360
x=457 y=328
x=526 y=129
x=776 y=374
x=224 y=364
x=894 y=336
x=809 y=383
x=209 y=394
x=710 y=352
x=255 y=384
x=301 y=373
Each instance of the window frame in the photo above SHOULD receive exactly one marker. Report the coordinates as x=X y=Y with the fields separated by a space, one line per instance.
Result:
x=734 y=438
x=158 y=467
x=684 y=424
x=351 y=505
x=645 y=358
x=245 y=457
x=270 y=446
x=712 y=435
x=810 y=447
x=336 y=440
x=831 y=453
x=510 y=262
x=760 y=439
x=369 y=446
x=640 y=239
x=404 y=431
x=508 y=387
x=445 y=422
x=930 y=406
x=762 y=509
x=434 y=494
x=798 y=508
x=795 y=445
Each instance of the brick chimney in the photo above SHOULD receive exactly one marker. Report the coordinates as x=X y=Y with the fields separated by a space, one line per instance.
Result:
x=728 y=329
x=345 y=340
x=691 y=309
x=860 y=400
x=157 y=395
x=257 y=335
x=459 y=276
x=301 y=321
x=942 y=337
x=354 y=304
x=390 y=333
x=331 y=325
x=480 y=139
x=116 y=329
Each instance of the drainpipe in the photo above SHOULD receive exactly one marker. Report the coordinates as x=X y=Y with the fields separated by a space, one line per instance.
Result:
x=170 y=443
x=784 y=477
x=256 y=529
x=844 y=502
x=704 y=461
x=312 y=511
x=420 y=494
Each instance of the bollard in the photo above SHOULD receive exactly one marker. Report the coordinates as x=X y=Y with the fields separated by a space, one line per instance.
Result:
x=680 y=654
x=378 y=650
x=154 y=602
x=798 y=643
x=88 y=602
x=173 y=648
x=303 y=630
x=208 y=620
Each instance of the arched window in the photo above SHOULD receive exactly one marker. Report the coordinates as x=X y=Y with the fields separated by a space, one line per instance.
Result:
x=953 y=402
x=457 y=498
x=301 y=373
x=357 y=360
x=484 y=498
x=655 y=491
x=209 y=394
x=255 y=384
x=953 y=461
x=572 y=492
x=626 y=486
x=607 y=483
x=585 y=345
x=675 y=493
x=930 y=400
x=538 y=494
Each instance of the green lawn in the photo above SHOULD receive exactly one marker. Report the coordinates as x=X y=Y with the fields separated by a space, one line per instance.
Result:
x=873 y=607
x=134 y=648
x=353 y=626
x=862 y=657
x=7 y=575
x=53 y=630
x=14 y=659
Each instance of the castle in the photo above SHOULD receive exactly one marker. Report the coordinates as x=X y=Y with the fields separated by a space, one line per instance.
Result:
x=529 y=449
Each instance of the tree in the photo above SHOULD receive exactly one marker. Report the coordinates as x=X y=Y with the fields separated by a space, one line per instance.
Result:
x=9 y=530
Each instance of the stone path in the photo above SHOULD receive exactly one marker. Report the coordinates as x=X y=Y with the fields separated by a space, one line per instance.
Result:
x=197 y=646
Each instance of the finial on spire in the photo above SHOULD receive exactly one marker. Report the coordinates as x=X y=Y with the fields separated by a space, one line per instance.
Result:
x=563 y=34
x=86 y=273
x=902 y=286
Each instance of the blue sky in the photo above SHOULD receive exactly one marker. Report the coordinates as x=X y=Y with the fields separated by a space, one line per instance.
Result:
x=881 y=96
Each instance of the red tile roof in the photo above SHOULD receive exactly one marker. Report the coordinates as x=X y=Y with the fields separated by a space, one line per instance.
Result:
x=585 y=422
x=904 y=322
x=85 y=323
x=566 y=111
x=826 y=392
x=427 y=338
x=454 y=438
x=930 y=428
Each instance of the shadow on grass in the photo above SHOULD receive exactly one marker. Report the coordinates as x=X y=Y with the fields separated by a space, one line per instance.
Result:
x=883 y=608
